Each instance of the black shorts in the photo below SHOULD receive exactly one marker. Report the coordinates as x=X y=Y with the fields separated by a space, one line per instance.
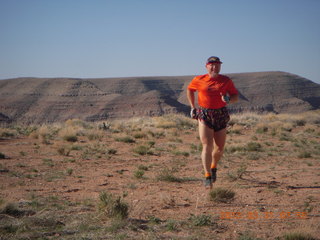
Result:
x=216 y=119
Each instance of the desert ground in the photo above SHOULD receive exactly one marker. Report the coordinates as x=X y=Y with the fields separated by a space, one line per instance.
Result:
x=142 y=178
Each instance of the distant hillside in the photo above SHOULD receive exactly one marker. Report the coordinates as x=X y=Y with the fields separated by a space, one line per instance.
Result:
x=41 y=100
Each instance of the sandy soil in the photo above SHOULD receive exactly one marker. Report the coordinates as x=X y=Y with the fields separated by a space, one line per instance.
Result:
x=277 y=191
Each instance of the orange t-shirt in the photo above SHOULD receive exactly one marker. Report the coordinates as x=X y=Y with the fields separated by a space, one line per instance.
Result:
x=210 y=90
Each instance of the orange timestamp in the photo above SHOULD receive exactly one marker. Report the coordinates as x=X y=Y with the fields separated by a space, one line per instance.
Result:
x=255 y=215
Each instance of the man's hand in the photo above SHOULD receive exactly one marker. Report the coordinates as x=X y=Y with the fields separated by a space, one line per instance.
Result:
x=193 y=113
x=225 y=98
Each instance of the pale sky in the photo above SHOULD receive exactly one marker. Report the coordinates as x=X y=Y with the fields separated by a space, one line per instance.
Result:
x=127 y=38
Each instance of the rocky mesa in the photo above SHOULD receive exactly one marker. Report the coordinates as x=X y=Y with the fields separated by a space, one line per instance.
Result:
x=43 y=100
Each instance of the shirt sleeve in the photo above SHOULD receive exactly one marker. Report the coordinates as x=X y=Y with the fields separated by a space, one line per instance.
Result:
x=193 y=86
x=232 y=89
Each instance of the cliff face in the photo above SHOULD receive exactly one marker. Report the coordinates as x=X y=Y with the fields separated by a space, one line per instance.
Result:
x=40 y=100
x=276 y=91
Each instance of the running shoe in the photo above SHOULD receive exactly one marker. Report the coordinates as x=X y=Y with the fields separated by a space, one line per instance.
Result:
x=213 y=174
x=208 y=182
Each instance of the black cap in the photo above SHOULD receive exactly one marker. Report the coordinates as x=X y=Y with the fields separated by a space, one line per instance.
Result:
x=213 y=59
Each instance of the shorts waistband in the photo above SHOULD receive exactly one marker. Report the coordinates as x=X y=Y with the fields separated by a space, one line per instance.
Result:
x=210 y=109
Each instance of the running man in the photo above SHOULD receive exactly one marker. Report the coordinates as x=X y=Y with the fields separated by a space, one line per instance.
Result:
x=215 y=91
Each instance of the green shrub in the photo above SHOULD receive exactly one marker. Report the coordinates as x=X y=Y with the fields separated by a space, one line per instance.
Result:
x=262 y=129
x=139 y=135
x=167 y=176
x=172 y=225
x=143 y=168
x=69 y=171
x=113 y=207
x=247 y=236
x=70 y=138
x=112 y=151
x=12 y=210
x=300 y=122
x=200 y=220
x=143 y=150
x=126 y=139
x=304 y=154
x=185 y=154
x=296 y=236
x=139 y=174
x=64 y=150
x=253 y=146
x=221 y=195
x=233 y=176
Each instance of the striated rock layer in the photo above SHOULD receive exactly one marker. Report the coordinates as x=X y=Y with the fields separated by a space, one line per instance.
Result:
x=42 y=100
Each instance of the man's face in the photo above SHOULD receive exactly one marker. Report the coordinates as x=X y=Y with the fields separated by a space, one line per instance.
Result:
x=213 y=68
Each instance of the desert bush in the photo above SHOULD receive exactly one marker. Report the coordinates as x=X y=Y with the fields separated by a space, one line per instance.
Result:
x=2 y=155
x=181 y=153
x=111 y=151
x=138 y=174
x=253 y=146
x=233 y=176
x=76 y=123
x=117 y=225
x=64 y=150
x=154 y=220
x=93 y=134
x=143 y=150
x=177 y=121
x=296 y=236
x=165 y=123
x=125 y=139
x=185 y=122
x=253 y=156
x=247 y=236
x=287 y=127
x=143 y=168
x=311 y=117
x=249 y=147
x=166 y=175
x=200 y=220
x=221 y=195
x=69 y=134
x=245 y=119
x=172 y=225
x=112 y=206
x=262 y=128
x=8 y=133
x=48 y=162
x=12 y=210
x=139 y=135
x=304 y=154
x=235 y=129
x=69 y=171
x=45 y=133
x=156 y=134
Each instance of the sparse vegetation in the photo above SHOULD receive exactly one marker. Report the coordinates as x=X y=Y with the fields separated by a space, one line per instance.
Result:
x=2 y=156
x=296 y=236
x=221 y=195
x=167 y=176
x=126 y=139
x=157 y=179
x=139 y=174
x=200 y=220
x=143 y=150
x=112 y=206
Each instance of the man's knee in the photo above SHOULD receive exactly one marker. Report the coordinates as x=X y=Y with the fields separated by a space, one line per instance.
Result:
x=218 y=151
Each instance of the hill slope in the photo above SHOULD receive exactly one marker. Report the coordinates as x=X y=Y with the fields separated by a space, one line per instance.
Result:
x=40 y=100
